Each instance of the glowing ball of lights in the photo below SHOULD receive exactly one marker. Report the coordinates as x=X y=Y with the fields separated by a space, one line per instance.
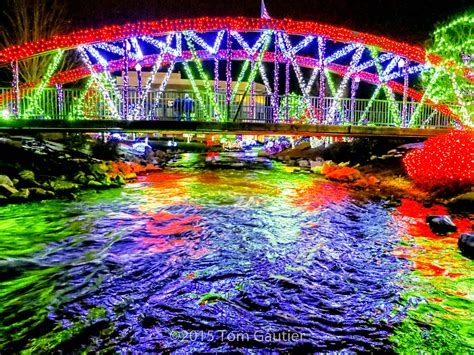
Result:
x=445 y=161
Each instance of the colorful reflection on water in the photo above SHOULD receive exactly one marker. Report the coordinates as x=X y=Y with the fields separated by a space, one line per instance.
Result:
x=230 y=253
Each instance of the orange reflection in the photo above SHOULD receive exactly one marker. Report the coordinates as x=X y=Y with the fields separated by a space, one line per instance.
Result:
x=164 y=232
x=320 y=194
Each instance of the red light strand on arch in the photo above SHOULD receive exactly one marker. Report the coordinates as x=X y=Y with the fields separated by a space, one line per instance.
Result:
x=205 y=24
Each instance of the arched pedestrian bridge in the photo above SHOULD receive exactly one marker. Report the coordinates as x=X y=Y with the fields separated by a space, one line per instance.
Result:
x=240 y=74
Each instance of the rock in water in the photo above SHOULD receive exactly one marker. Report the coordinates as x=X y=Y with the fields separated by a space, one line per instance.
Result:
x=441 y=225
x=466 y=244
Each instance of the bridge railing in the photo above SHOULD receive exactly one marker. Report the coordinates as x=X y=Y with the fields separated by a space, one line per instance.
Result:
x=51 y=103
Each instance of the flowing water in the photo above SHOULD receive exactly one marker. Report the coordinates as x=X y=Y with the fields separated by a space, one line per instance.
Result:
x=230 y=253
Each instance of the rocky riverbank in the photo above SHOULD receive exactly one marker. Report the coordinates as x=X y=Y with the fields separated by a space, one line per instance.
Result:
x=34 y=169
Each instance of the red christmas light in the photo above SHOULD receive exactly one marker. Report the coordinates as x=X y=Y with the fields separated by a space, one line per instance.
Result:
x=307 y=62
x=444 y=161
x=205 y=24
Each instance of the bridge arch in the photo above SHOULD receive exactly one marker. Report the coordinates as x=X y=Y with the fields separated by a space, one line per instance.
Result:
x=298 y=46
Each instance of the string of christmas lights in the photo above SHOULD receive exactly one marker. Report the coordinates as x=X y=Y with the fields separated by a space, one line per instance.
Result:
x=162 y=87
x=99 y=83
x=208 y=24
x=388 y=92
x=336 y=106
x=125 y=97
x=322 y=84
x=287 y=91
x=228 y=73
x=276 y=79
x=287 y=48
x=52 y=67
x=210 y=93
x=217 y=43
x=156 y=67
x=136 y=47
x=60 y=93
x=78 y=103
x=196 y=90
x=16 y=88
x=104 y=64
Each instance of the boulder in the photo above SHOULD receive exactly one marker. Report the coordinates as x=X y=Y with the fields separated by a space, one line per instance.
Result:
x=37 y=193
x=303 y=163
x=21 y=196
x=94 y=183
x=466 y=244
x=29 y=177
x=463 y=202
x=63 y=185
x=5 y=180
x=7 y=190
x=441 y=225
x=345 y=174
x=315 y=163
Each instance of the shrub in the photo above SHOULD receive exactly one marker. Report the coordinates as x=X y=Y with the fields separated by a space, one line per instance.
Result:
x=445 y=162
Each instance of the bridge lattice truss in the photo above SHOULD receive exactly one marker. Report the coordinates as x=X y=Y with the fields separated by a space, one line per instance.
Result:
x=311 y=73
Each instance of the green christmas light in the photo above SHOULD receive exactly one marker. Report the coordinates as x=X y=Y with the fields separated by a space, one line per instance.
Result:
x=369 y=105
x=239 y=79
x=453 y=41
x=52 y=67
x=190 y=76
x=208 y=89
x=388 y=92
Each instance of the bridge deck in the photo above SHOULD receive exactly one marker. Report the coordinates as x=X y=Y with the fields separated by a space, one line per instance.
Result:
x=31 y=126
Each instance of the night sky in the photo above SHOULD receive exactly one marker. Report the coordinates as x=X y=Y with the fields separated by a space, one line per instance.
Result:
x=405 y=20
x=410 y=21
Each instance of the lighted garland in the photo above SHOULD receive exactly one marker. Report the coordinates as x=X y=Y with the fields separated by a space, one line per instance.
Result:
x=156 y=67
x=455 y=83
x=163 y=85
x=254 y=70
x=287 y=48
x=332 y=88
x=287 y=90
x=322 y=76
x=16 y=88
x=103 y=62
x=105 y=93
x=276 y=80
x=363 y=120
x=52 y=67
x=210 y=93
x=243 y=70
x=416 y=114
x=78 y=103
x=342 y=87
x=217 y=43
x=207 y=24
x=388 y=93
x=196 y=90
x=228 y=73
x=60 y=93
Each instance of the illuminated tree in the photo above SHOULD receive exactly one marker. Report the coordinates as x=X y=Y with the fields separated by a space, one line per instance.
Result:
x=451 y=83
x=28 y=21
